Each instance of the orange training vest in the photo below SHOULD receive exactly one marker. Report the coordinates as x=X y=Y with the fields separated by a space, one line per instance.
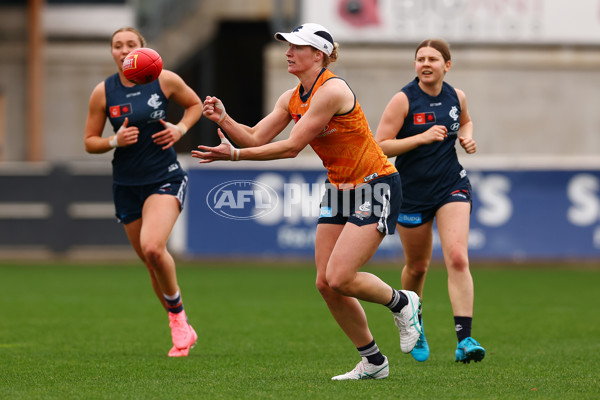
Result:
x=346 y=146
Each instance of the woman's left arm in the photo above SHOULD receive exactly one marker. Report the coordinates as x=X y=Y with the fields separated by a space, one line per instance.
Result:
x=465 y=133
x=174 y=88
x=330 y=99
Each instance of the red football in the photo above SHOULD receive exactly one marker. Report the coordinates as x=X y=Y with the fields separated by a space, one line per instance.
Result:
x=142 y=66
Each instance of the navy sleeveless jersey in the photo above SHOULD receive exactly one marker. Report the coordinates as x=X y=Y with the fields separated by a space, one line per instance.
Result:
x=430 y=171
x=143 y=162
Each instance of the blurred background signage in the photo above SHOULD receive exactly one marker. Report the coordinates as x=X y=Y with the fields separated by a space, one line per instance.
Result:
x=272 y=212
x=468 y=21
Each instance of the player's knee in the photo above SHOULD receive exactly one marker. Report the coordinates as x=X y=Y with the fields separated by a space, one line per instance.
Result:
x=321 y=285
x=324 y=289
x=152 y=252
x=458 y=260
x=340 y=283
x=418 y=269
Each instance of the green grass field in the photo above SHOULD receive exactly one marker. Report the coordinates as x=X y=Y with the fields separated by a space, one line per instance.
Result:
x=97 y=332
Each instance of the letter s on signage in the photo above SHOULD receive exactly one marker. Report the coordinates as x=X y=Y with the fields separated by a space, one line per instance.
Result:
x=496 y=206
x=584 y=192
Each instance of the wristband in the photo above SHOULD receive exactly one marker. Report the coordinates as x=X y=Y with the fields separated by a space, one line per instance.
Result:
x=113 y=142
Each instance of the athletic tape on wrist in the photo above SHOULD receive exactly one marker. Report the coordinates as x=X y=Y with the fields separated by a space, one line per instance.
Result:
x=113 y=142
x=180 y=127
x=235 y=153
x=221 y=107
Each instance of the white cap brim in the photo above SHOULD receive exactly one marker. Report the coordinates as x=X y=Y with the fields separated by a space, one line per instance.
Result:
x=306 y=38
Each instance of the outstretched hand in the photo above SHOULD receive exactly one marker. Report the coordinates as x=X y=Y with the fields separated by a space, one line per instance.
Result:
x=224 y=151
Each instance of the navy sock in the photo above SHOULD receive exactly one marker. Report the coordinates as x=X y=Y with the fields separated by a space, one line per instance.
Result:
x=462 y=325
x=174 y=303
x=372 y=353
x=399 y=300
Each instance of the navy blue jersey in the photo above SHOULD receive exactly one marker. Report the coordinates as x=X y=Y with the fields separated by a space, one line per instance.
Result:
x=143 y=162
x=430 y=171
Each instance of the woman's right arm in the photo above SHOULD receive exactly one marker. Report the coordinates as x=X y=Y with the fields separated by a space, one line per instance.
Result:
x=245 y=136
x=94 y=125
x=392 y=121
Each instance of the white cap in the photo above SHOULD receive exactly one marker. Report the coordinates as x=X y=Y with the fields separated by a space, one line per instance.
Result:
x=309 y=34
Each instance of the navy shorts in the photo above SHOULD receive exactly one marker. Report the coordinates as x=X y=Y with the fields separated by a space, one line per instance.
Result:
x=376 y=202
x=129 y=200
x=412 y=216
